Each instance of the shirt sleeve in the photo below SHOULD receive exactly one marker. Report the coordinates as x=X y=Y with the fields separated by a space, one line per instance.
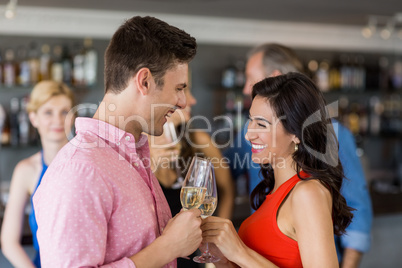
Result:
x=72 y=210
x=356 y=193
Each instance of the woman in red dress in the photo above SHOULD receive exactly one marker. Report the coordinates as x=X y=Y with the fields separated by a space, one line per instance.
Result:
x=298 y=204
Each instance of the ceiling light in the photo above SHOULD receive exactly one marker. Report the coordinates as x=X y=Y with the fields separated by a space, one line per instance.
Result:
x=385 y=34
x=10 y=9
x=367 y=32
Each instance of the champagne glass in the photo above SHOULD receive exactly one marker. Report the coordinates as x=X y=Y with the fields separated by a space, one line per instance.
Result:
x=207 y=209
x=195 y=184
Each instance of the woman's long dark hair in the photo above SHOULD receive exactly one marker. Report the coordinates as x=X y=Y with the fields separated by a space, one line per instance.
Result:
x=297 y=99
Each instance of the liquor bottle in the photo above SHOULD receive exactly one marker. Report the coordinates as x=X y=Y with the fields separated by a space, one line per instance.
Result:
x=56 y=68
x=67 y=66
x=312 y=67
x=376 y=110
x=334 y=76
x=34 y=64
x=361 y=73
x=2 y=120
x=45 y=63
x=4 y=127
x=346 y=73
x=23 y=123
x=78 y=66
x=229 y=77
x=354 y=119
x=322 y=76
x=240 y=78
x=9 y=68
x=1 y=70
x=90 y=63
x=14 y=125
x=383 y=82
x=24 y=70
x=397 y=74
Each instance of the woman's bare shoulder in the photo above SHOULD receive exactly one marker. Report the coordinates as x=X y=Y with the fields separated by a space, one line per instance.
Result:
x=310 y=192
x=29 y=165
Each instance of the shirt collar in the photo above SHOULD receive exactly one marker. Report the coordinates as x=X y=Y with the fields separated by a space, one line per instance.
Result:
x=110 y=132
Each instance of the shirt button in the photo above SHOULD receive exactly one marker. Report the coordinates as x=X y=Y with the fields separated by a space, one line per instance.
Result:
x=136 y=164
x=118 y=143
x=127 y=138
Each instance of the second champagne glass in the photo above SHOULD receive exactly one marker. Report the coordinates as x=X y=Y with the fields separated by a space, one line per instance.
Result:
x=207 y=209
x=195 y=184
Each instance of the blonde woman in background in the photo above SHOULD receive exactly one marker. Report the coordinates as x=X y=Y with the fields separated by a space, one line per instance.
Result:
x=48 y=107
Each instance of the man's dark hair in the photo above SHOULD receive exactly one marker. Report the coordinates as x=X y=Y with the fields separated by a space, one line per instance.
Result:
x=278 y=57
x=145 y=42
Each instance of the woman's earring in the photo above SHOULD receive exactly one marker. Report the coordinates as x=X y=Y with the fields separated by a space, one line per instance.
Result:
x=296 y=147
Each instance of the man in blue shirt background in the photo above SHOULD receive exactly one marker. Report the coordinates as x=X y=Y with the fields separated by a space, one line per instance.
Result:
x=272 y=60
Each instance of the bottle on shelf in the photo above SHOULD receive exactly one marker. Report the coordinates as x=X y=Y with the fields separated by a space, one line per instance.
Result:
x=360 y=80
x=240 y=78
x=24 y=74
x=9 y=68
x=78 y=66
x=23 y=123
x=322 y=76
x=44 y=70
x=229 y=77
x=346 y=73
x=2 y=123
x=397 y=74
x=14 y=124
x=90 y=63
x=67 y=66
x=383 y=75
x=56 y=68
x=376 y=110
x=334 y=76
x=312 y=67
x=34 y=63
x=1 y=69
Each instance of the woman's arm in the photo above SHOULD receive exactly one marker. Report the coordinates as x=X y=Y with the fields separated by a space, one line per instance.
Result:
x=222 y=172
x=311 y=209
x=222 y=233
x=13 y=221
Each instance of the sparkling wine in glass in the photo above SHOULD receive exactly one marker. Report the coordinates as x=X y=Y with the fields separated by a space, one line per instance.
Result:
x=207 y=209
x=195 y=184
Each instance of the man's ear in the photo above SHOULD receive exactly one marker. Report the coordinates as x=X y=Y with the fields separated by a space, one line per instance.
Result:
x=144 y=80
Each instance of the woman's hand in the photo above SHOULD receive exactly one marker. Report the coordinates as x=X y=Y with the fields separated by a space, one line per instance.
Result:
x=222 y=233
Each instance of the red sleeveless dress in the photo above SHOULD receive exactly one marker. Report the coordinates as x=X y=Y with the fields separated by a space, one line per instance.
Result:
x=261 y=233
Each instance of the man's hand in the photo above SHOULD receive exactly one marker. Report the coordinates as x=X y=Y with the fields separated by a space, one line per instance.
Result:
x=184 y=232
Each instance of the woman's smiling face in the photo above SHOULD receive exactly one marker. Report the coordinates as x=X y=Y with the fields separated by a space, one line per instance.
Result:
x=269 y=140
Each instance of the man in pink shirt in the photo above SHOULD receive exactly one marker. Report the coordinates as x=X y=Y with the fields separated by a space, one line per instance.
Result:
x=99 y=204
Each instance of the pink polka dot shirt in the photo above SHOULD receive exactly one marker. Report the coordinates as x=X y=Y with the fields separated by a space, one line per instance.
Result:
x=99 y=203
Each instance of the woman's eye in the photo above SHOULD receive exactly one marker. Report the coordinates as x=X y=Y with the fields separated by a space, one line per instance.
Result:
x=261 y=125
